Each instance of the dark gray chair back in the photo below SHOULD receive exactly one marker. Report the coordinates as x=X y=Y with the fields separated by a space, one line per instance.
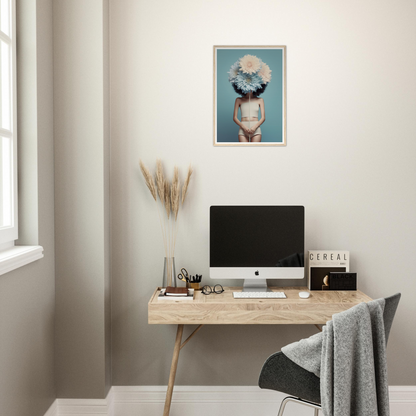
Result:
x=281 y=374
x=389 y=311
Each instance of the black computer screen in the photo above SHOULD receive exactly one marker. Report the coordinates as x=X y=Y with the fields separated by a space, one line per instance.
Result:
x=257 y=236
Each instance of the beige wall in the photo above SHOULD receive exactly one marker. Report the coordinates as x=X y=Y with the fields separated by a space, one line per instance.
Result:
x=27 y=295
x=349 y=160
x=81 y=132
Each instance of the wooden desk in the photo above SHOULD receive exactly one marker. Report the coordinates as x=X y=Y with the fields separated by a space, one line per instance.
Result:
x=223 y=309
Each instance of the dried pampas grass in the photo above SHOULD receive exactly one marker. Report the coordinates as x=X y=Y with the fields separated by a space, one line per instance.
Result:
x=148 y=179
x=160 y=180
x=186 y=183
x=167 y=197
x=174 y=193
x=170 y=198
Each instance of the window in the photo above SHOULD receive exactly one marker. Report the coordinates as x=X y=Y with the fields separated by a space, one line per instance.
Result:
x=8 y=146
x=11 y=255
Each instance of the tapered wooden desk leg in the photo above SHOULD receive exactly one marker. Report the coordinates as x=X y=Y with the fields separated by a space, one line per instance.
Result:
x=173 y=368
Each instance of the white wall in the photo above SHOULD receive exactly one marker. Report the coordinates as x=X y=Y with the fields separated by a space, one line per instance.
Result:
x=349 y=160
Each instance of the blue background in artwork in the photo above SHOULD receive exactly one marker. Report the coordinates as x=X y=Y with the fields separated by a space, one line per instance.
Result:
x=271 y=129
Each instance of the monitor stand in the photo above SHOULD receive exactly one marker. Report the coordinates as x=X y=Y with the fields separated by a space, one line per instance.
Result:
x=255 y=285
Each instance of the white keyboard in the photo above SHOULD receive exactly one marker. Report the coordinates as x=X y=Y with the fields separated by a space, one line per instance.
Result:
x=259 y=295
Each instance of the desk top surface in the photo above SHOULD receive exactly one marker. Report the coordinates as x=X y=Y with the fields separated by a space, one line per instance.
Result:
x=218 y=309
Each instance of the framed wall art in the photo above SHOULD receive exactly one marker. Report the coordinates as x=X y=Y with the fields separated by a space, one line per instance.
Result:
x=249 y=95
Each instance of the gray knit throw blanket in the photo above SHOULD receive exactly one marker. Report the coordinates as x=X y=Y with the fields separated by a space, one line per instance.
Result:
x=349 y=356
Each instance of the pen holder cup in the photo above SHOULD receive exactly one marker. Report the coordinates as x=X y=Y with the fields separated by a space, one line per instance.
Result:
x=195 y=286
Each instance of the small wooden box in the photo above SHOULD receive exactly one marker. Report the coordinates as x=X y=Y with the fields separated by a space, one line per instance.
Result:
x=322 y=262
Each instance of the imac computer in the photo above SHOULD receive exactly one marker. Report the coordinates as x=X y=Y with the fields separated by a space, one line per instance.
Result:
x=256 y=243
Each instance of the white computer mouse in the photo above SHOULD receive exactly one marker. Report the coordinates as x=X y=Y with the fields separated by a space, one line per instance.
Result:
x=304 y=295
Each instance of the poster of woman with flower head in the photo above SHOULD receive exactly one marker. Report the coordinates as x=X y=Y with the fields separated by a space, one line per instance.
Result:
x=249 y=95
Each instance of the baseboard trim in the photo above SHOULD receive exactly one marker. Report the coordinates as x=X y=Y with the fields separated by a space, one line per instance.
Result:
x=194 y=394
x=84 y=407
x=203 y=400
x=402 y=394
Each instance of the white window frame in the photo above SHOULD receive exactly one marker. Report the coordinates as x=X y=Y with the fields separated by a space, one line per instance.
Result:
x=12 y=256
x=9 y=233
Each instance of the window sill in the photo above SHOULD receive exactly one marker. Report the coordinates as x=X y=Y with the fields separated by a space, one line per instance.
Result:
x=18 y=256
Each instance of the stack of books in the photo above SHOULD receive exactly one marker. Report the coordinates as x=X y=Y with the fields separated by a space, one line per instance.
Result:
x=323 y=262
x=176 y=293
